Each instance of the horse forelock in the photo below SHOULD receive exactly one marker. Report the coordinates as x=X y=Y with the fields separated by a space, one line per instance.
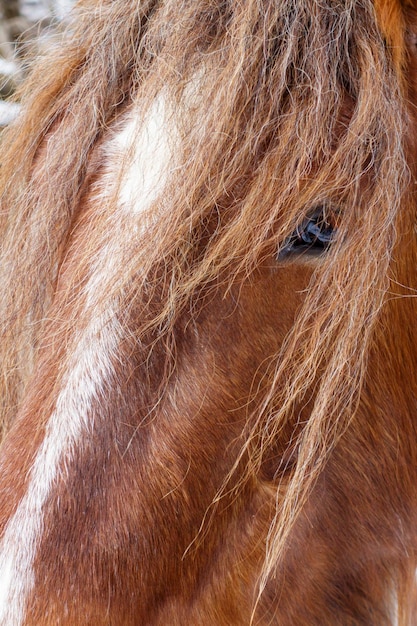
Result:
x=247 y=116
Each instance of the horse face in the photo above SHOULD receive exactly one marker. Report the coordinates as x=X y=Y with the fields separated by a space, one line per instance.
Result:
x=218 y=425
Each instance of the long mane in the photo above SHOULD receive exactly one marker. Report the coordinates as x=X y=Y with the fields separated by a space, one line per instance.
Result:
x=279 y=107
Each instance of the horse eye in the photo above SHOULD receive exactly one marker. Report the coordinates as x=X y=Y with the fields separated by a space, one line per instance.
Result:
x=314 y=235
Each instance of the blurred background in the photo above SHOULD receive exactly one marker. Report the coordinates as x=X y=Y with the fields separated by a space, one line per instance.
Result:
x=25 y=26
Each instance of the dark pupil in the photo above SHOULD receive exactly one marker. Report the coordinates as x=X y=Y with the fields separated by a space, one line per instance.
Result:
x=315 y=232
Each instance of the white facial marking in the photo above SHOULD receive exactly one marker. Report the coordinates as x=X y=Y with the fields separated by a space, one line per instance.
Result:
x=90 y=365
x=394 y=618
x=147 y=149
x=89 y=368
x=148 y=168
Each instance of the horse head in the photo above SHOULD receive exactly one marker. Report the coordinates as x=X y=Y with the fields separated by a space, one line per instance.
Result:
x=208 y=274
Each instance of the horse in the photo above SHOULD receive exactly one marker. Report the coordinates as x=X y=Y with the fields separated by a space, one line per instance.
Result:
x=208 y=338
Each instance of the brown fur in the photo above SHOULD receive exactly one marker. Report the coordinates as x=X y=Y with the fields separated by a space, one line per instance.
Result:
x=256 y=458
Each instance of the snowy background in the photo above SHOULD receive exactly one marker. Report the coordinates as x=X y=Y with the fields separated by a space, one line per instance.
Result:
x=24 y=28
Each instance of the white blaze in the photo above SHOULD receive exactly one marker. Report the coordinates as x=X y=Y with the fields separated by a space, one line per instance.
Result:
x=89 y=368
x=90 y=365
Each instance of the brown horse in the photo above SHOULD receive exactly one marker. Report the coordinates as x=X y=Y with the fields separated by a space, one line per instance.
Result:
x=209 y=338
